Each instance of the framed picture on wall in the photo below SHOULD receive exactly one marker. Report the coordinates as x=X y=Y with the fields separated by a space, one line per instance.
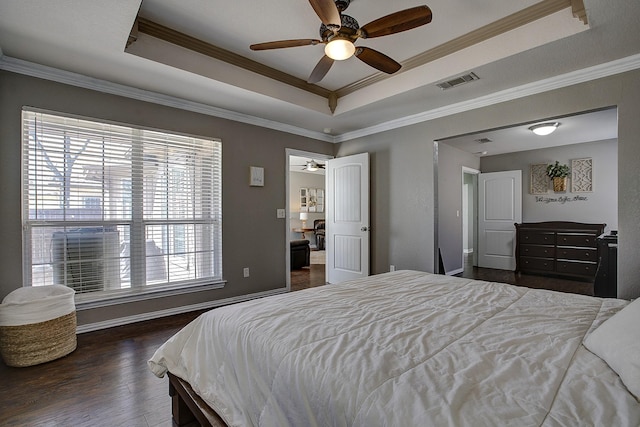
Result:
x=312 y=203
x=319 y=200
x=582 y=175
x=304 y=200
x=311 y=200
x=256 y=176
x=539 y=179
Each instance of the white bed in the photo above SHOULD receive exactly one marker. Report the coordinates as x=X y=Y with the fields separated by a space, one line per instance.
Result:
x=404 y=349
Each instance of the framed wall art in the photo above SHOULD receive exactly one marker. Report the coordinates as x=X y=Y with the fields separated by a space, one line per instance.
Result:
x=539 y=179
x=582 y=175
x=256 y=176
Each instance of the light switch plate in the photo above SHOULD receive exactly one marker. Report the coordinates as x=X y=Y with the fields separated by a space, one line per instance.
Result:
x=281 y=213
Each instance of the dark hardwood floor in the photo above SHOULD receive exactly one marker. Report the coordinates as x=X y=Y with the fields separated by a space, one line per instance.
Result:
x=106 y=382
x=308 y=277
x=527 y=280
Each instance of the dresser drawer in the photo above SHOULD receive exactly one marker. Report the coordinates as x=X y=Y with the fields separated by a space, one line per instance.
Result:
x=576 y=239
x=543 y=264
x=577 y=268
x=537 y=251
x=537 y=237
x=577 y=254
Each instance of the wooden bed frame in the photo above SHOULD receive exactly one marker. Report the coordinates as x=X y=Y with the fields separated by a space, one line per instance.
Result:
x=188 y=409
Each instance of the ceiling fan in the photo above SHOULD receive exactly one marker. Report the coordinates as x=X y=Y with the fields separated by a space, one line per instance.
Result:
x=339 y=32
x=311 y=166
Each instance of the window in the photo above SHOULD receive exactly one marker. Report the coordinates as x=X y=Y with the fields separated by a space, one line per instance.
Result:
x=115 y=210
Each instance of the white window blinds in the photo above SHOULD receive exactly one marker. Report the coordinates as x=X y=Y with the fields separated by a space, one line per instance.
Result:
x=109 y=207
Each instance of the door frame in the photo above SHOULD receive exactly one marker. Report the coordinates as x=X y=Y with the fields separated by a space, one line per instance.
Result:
x=475 y=172
x=287 y=190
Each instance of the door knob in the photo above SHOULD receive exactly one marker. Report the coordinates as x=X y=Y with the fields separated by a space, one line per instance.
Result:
x=365 y=229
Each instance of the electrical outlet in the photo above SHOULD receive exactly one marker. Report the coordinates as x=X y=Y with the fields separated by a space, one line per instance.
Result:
x=392 y=267
x=245 y=272
x=281 y=213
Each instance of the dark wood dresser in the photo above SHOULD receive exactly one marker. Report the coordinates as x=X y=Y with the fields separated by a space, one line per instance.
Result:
x=558 y=248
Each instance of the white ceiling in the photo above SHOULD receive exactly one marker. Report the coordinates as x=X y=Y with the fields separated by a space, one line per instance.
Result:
x=576 y=129
x=88 y=38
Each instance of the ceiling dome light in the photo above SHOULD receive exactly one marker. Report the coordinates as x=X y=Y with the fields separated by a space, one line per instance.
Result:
x=339 y=49
x=544 y=128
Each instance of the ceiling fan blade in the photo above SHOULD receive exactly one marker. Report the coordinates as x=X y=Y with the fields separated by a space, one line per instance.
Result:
x=321 y=70
x=377 y=60
x=327 y=12
x=284 y=43
x=396 y=22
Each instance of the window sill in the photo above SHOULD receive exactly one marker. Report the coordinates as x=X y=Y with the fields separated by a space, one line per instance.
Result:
x=87 y=302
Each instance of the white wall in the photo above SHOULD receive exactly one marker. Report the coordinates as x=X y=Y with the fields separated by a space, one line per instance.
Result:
x=298 y=180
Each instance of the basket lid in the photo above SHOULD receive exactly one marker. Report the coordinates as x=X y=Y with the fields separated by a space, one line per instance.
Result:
x=34 y=304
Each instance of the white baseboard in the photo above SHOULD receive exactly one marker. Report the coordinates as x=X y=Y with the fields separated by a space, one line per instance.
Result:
x=454 y=272
x=89 y=327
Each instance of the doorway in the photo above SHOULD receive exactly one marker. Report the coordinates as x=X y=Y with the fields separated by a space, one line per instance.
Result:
x=590 y=135
x=469 y=218
x=305 y=210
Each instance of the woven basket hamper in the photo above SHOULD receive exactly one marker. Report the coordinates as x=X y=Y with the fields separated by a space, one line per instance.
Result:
x=37 y=325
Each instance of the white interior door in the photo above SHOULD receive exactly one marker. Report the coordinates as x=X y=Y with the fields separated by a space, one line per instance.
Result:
x=347 y=218
x=499 y=208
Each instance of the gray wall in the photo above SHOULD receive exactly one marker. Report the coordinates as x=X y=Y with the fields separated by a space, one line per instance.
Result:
x=402 y=183
x=247 y=211
x=601 y=205
x=401 y=197
x=450 y=179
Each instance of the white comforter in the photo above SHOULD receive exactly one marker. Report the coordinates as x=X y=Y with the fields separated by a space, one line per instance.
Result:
x=403 y=349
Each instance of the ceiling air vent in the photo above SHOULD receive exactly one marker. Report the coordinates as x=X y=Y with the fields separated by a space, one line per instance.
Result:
x=483 y=140
x=458 y=81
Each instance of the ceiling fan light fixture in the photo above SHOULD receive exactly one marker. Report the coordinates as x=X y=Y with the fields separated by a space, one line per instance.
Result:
x=312 y=166
x=339 y=49
x=543 y=129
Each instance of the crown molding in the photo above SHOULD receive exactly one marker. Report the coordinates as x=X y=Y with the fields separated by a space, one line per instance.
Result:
x=568 y=79
x=79 y=80
x=183 y=40
x=494 y=29
x=501 y=26
x=575 y=77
